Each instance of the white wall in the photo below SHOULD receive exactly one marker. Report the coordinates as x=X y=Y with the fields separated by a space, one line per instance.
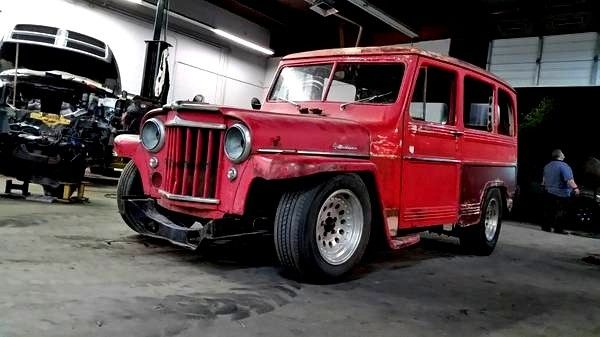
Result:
x=272 y=65
x=224 y=73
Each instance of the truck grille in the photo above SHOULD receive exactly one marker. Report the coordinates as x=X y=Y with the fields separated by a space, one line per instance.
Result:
x=192 y=163
x=56 y=37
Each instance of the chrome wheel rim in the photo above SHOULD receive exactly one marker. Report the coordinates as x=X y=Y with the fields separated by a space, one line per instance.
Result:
x=339 y=227
x=492 y=215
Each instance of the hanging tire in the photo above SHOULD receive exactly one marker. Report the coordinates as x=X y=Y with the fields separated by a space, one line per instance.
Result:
x=323 y=231
x=481 y=239
x=130 y=185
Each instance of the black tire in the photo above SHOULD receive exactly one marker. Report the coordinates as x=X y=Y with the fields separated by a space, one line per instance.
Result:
x=473 y=238
x=296 y=225
x=130 y=184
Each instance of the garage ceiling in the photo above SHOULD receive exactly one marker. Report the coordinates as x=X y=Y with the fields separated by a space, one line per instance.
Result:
x=295 y=27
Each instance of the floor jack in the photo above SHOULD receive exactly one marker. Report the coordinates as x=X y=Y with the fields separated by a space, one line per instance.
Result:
x=70 y=193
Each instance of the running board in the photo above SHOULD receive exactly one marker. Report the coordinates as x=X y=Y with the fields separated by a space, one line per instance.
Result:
x=400 y=242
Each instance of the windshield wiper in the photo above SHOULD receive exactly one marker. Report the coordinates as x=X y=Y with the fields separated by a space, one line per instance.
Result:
x=288 y=101
x=366 y=99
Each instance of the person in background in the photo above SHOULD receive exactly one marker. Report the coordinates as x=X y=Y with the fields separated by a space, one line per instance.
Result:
x=560 y=186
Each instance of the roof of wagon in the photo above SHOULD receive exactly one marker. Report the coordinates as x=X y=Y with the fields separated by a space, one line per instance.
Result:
x=390 y=50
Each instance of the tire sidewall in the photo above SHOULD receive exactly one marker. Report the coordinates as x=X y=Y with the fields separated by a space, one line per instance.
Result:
x=129 y=182
x=354 y=184
x=490 y=244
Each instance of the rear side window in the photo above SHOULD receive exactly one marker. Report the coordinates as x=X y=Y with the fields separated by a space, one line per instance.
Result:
x=432 y=96
x=506 y=123
x=368 y=83
x=478 y=102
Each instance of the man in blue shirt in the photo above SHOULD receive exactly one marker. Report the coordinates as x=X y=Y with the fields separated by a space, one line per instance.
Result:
x=560 y=185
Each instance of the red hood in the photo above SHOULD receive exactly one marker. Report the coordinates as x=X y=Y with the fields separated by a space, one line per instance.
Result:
x=279 y=132
x=314 y=133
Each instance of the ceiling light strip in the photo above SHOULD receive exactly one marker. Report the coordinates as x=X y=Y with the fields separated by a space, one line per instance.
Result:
x=219 y=32
x=381 y=15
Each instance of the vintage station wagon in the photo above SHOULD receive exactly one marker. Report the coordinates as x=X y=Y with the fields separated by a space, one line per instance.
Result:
x=349 y=145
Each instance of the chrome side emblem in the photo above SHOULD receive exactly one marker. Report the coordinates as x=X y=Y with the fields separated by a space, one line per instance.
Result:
x=344 y=147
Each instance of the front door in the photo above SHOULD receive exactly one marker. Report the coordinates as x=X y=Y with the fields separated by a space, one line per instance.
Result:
x=431 y=147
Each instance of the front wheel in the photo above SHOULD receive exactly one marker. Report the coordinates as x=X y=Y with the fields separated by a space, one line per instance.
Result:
x=129 y=186
x=323 y=231
x=481 y=239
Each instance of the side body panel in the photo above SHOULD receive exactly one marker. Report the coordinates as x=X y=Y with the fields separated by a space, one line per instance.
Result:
x=431 y=165
x=489 y=159
x=476 y=179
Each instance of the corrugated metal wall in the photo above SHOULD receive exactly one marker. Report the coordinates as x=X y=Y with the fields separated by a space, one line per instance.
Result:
x=558 y=60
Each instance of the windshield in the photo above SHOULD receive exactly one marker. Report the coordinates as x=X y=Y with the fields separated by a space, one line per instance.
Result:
x=367 y=83
x=371 y=83
x=304 y=83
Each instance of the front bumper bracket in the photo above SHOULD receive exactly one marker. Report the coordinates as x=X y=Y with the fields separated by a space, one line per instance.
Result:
x=152 y=223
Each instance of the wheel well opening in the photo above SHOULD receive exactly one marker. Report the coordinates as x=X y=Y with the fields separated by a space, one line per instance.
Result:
x=503 y=198
x=264 y=195
x=378 y=237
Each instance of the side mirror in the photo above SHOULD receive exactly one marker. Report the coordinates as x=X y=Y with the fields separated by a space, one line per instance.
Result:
x=255 y=103
x=198 y=99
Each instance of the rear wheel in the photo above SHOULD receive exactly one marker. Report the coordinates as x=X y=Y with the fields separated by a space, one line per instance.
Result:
x=129 y=186
x=323 y=231
x=481 y=239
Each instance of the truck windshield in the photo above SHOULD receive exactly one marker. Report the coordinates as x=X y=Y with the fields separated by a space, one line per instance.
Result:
x=304 y=83
x=372 y=83
x=366 y=83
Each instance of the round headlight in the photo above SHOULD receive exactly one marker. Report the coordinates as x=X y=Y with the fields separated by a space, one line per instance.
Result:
x=237 y=143
x=153 y=135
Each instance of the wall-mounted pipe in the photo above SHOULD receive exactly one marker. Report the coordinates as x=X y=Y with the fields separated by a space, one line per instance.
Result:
x=360 y=28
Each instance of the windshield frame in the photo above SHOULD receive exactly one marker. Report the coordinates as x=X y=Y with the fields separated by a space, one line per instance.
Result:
x=335 y=64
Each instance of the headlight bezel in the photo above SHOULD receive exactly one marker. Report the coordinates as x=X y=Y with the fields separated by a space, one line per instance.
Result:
x=246 y=136
x=161 y=131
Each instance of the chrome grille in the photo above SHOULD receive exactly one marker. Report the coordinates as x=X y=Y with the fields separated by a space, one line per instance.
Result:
x=192 y=163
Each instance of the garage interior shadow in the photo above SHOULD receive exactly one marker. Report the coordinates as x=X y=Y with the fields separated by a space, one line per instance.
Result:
x=259 y=251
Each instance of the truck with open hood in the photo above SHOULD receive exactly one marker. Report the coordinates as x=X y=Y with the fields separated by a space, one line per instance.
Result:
x=58 y=95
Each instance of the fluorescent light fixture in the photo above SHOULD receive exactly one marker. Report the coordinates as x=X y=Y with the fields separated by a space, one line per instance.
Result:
x=242 y=42
x=323 y=7
x=323 y=11
x=381 y=15
x=202 y=25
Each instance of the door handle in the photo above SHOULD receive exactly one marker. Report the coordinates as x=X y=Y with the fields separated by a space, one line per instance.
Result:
x=414 y=128
x=457 y=133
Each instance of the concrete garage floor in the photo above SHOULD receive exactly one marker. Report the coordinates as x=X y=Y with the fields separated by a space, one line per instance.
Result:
x=77 y=270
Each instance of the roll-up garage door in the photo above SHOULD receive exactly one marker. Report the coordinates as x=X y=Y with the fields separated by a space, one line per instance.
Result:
x=557 y=60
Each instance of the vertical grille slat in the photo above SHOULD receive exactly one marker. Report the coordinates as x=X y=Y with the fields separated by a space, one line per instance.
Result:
x=189 y=142
x=207 y=170
x=197 y=172
x=177 y=188
x=192 y=161
x=169 y=160
x=221 y=140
